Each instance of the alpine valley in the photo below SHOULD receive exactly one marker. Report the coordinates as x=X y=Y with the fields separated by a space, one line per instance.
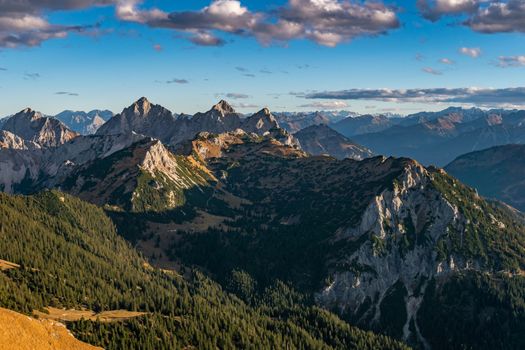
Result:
x=155 y=230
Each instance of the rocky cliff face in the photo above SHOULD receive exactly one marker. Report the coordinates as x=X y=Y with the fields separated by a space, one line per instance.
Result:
x=25 y=169
x=411 y=235
x=401 y=226
x=323 y=140
x=32 y=126
x=9 y=140
x=140 y=178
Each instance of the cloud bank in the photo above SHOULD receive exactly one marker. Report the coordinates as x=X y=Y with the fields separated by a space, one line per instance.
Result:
x=511 y=61
x=478 y=96
x=484 y=16
x=23 y=22
x=326 y=22
x=326 y=105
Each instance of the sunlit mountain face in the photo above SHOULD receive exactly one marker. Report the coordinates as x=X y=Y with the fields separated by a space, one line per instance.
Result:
x=288 y=174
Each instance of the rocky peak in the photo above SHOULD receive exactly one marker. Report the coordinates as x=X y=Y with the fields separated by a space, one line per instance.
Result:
x=28 y=114
x=267 y=115
x=141 y=107
x=142 y=117
x=32 y=126
x=261 y=122
x=323 y=140
x=265 y=111
x=223 y=108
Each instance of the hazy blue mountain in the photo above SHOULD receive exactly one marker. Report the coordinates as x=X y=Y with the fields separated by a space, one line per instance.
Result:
x=439 y=139
x=497 y=172
x=84 y=123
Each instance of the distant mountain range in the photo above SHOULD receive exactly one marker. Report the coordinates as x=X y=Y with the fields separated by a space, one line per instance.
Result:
x=364 y=124
x=430 y=137
x=439 y=137
x=295 y=121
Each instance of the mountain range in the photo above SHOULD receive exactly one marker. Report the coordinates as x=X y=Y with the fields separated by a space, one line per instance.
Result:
x=158 y=122
x=228 y=231
x=295 y=121
x=439 y=137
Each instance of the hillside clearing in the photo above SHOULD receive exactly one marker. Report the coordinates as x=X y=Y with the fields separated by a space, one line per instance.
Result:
x=76 y=315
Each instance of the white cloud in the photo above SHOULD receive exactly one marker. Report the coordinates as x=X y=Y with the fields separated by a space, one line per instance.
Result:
x=432 y=71
x=237 y=96
x=446 y=61
x=326 y=105
x=245 y=105
x=206 y=39
x=434 y=9
x=511 y=61
x=473 y=52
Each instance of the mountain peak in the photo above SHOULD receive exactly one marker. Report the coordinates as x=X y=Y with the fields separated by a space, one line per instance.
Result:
x=265 y=111
x=223 y=107
x=29 y=113
x=31 y=125
x=142 y=106
x=323 y=140
x=142 y=100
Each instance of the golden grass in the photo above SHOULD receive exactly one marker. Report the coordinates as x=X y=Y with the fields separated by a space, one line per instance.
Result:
x=75 y=315
x=20 y=332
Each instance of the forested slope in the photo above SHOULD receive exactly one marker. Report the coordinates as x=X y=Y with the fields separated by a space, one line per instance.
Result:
x=70 y=256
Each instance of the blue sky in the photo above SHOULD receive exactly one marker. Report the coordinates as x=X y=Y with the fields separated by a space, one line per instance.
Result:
x=109 y=65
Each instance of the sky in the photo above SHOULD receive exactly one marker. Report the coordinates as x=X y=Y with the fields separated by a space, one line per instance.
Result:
x=289 y=55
